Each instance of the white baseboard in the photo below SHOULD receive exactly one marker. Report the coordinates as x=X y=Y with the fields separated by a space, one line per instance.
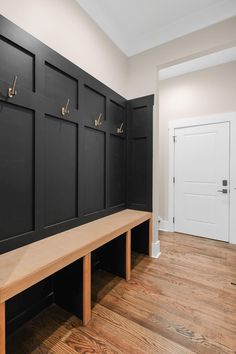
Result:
x=164 y=225
x=156 y=249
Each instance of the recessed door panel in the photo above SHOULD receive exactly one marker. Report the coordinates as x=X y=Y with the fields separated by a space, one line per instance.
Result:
x=60 y=170
x=117 y=171
x=94 y=171
x=60 y=87
x=14 y=60
x=17 y=170
x=95 y=106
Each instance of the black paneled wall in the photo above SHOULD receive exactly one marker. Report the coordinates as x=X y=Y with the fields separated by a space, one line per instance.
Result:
x=64 y=159
x=140 y=137
x=63 y=142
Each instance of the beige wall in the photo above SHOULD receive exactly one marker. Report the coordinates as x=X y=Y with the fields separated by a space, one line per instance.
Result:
x=142 y=68
x=204 y=92
x=142 y=80
x=65 y=27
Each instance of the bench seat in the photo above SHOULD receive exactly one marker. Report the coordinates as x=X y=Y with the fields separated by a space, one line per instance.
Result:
x=26 y=266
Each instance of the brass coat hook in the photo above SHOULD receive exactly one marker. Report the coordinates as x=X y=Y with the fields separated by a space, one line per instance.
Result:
x=65 y=110
x=12 y=90
x=120 y=130
x=98 y=121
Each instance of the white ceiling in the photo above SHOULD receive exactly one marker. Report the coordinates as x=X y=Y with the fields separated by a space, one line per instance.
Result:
x=137 y=25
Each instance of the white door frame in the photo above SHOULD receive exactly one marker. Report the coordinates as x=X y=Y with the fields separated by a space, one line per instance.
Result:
x=204 y=120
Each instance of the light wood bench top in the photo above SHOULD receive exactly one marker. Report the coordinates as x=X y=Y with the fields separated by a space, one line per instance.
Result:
x=26 y=266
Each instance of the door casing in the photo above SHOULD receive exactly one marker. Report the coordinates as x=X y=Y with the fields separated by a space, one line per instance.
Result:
x=204 y=120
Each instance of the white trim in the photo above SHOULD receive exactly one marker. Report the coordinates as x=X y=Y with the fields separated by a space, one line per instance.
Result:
x=232 y=221
x=164 y=225
x=221 y=57
x=190 y=122
x=155 y=175
x=171 y=175
x=156 y=249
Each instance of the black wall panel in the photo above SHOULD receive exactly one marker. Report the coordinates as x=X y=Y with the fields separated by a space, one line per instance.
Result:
x=60 y=170
x=15 y=60
x=139 y=153
x=138 y=172
x=17 y=170
x=60 y=87
x=94 y=171
x=117 y=117
x=94 y=104
x=139 y=120
x=117 y=169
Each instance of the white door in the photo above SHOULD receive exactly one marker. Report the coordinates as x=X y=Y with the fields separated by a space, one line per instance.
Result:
x=202 y=181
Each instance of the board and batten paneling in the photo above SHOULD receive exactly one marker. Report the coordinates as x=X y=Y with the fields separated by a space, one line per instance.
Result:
x=139 y=119
x=16 y=61
x=117 y=170
x=17 y=146
x=117 y=118
x=60 y=86
x=94 y=103
x=58 y=170
x=94 y=171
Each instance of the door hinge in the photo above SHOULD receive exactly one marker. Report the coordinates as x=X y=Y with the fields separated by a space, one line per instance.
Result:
x=174 y=138
x=173 y=179
x=173 y=220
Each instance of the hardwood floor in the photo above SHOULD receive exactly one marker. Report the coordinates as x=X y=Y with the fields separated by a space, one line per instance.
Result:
x=183 y=302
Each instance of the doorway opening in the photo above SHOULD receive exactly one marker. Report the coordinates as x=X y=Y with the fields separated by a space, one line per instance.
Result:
x=197 y=192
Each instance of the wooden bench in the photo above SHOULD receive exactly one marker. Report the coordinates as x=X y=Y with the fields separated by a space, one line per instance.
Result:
x=26 y=266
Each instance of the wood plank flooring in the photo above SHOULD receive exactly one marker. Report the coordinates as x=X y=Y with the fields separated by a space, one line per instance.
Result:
x=183 y=302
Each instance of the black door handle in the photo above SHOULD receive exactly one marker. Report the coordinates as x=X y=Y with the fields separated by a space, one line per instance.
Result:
x=224 y=191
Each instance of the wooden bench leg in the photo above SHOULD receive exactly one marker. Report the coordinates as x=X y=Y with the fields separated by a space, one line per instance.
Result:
x=2 y=329
x=86 y=289
x=128 y=256
x=150 y=237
